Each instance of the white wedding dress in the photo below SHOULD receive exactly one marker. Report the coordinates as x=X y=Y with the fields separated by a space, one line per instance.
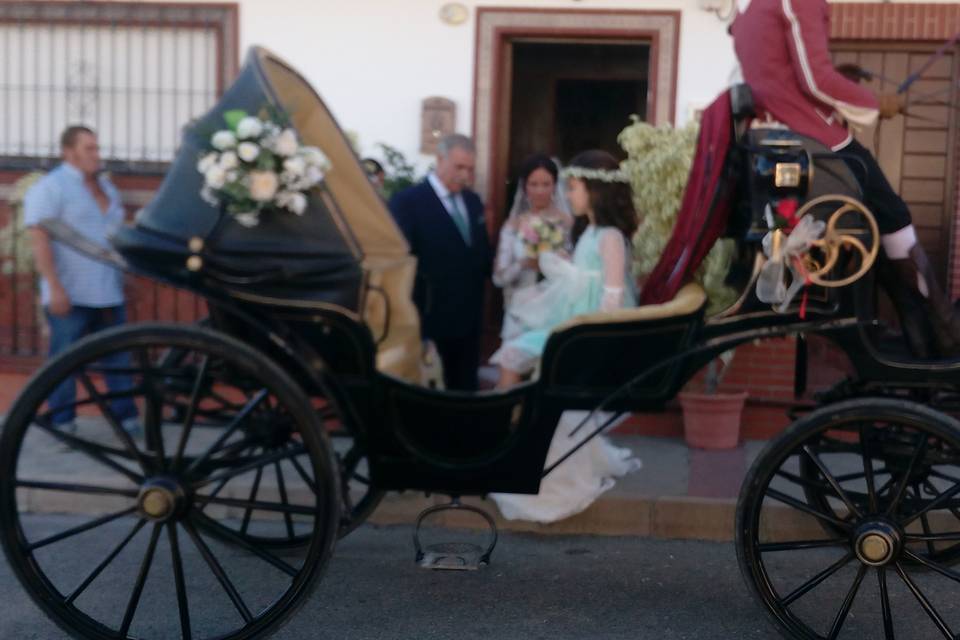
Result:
x=578 y=481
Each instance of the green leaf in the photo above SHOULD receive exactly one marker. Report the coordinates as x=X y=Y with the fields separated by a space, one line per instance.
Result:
x=266 y=161
x=233 y=118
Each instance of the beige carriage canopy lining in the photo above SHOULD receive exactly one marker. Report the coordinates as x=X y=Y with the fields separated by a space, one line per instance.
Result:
x=363 y=220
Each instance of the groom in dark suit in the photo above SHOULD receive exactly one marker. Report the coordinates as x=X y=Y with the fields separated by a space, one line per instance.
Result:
x=443 y=222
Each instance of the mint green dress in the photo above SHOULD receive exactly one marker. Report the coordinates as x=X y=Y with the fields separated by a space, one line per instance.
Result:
x=569 y=289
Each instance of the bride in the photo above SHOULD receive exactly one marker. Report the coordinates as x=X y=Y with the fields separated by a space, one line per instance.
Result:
x=538 y=200
x=598 y=278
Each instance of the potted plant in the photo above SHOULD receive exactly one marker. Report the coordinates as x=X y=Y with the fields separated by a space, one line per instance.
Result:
x=711 y=420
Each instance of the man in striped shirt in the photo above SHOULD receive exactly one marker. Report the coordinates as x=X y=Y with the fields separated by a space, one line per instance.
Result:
x=783 y=49
x=79 y=294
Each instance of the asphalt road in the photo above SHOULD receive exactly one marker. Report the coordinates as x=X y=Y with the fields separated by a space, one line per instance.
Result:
x=550 y=588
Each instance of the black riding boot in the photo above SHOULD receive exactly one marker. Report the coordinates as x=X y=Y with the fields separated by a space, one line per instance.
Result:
x=934 y=303
x=909 y=306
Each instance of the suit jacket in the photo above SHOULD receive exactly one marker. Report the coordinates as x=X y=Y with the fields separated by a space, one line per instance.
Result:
x=783 y=50
x=450 y=274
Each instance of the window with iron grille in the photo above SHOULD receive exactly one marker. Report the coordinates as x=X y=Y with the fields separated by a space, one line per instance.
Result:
x=135 y=72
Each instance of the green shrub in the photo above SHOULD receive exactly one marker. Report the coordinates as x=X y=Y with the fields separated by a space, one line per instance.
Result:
x=14 y=240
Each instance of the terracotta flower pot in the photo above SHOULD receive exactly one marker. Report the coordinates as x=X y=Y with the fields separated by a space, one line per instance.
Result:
x=712 y=421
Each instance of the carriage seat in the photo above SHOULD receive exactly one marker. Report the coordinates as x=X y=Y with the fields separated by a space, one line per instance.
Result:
x=593 y=355
x=689 y=299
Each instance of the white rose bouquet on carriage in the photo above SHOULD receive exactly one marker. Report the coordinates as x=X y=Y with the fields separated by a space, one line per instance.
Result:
x=258 y=165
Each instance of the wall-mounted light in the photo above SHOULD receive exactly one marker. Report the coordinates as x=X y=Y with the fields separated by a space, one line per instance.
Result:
x=723 y=9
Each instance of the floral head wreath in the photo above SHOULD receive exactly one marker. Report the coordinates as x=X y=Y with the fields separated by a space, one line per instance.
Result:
x=602 y=175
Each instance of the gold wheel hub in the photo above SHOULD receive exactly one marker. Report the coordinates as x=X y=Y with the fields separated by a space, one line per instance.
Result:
x=160 y=499
x=877 y=544
x=157 y=503
x=875 y=548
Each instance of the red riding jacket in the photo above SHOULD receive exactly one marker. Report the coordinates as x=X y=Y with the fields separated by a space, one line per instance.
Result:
x=783 y=50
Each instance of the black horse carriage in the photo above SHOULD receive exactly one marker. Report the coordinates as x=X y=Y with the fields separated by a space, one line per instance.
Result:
x=276 y=426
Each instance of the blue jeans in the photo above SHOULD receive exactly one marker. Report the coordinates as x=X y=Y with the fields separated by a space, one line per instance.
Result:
x=64 y=331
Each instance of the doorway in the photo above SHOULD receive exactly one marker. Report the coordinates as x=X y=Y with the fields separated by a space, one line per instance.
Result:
x=572 y=95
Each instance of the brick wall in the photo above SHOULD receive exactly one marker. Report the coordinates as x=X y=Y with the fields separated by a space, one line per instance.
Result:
x=930 y=22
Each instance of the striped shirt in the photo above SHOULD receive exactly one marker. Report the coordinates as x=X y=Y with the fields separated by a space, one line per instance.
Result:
x=62 y=195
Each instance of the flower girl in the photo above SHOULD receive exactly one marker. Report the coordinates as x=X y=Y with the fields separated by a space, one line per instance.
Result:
x=597 y=279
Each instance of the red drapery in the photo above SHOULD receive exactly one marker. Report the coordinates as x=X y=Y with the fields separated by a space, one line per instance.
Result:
x=704 y=211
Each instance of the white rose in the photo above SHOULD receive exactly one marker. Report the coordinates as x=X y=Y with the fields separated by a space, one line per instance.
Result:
x=248 y=151
x=224 y=140
x=249 y=127
x=286 y=144
x=296 y=166
x=314 y=176
x=228 y=160
x=215 y=177
x=315 y=157
x=248 y=220
x=207 y=195
x=293 y=201
x=207 y=161
x=263 y=185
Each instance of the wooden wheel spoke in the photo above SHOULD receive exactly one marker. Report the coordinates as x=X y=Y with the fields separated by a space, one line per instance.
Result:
x=94 y=451
x=83 y=528
x=815 y=581
x=191 y=414
x=259 y=505
x=933 y=537
x=872 y=501
x=237 y=422
x=76 y=488
x=248 y=511
x=266 y=556
x=183 y=606
x=303 y=474
x=925 y=603
x=114 y=423
x=283 y=454
x=797 y=545
x=832 y=481
x=282 y=488
x=942 y=499
x=105 y=563
x=134 y=601
x=905 y=481
x=800 y=506
x=153 y=412
x=931 y=564
x=885 y=610
x=219 y=573
x=847 y=604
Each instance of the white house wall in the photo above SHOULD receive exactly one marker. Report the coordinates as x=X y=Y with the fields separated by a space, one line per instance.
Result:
x=375 y=60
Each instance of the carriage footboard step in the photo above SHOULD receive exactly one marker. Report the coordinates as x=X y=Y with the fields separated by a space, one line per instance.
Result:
x=454 y=556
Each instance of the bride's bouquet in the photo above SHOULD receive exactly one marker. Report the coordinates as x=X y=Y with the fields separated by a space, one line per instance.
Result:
x=540 y=235
x=257 y=165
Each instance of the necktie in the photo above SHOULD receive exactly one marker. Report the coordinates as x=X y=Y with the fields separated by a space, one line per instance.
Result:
x=460 y=218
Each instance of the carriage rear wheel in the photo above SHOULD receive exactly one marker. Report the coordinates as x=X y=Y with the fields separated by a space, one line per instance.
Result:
x=860 y=548
x=231 y=444
x=360 y=496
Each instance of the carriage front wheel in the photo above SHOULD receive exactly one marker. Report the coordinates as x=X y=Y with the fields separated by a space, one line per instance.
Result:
x=133 y=489
x=848 y=520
